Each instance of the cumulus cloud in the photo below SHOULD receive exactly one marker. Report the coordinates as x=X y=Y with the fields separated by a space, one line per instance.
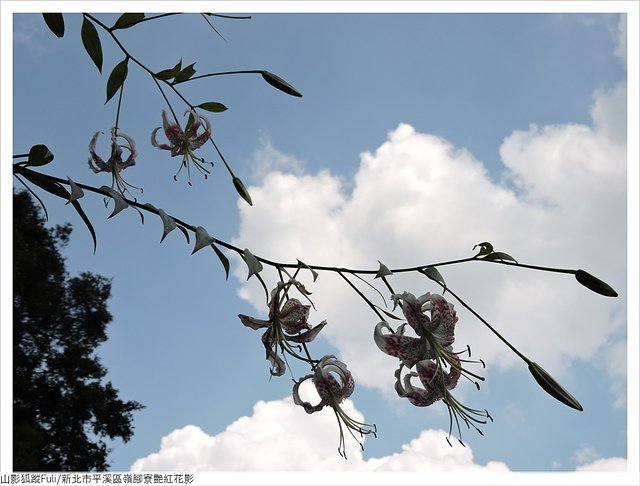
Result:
x=418 y=199
x=281 y=437
x=609 y=464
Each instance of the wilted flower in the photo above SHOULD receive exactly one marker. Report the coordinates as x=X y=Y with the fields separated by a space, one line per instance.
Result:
x=114 y=165
x=334 y=384
x=287 y=324
x=184 y=142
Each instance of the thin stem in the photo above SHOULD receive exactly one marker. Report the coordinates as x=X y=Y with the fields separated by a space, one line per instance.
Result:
x=193 y=78
x=340 y=270
x=489 y=326
x=362 y=296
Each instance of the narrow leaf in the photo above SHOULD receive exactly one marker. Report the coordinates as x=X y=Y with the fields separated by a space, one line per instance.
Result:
x=39 y=155
x=57 y=190
x=91 y=42
x=118 y=200
x=314 y=274
x=552 y=387
x=202 y=239
x=168 y=224
x=76 y=192
x=127 y=20
x=389 y=314
x=116 y=78
x=185 y=74
x=223 y=259
x=279 y=83
x=169 y=73
x=237 y=183
x=434 y=274
x=383 y=271
x=595 y=284
x=485 y=248
x=213 y=107
x=185 y=233
x=498 y=255
x=55 y=22
x=254 y=265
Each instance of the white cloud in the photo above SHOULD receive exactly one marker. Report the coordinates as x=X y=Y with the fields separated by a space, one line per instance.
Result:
x=281 y=437
x=609 y=464
x=621 y=39
x=267 y=159
x=417 y=199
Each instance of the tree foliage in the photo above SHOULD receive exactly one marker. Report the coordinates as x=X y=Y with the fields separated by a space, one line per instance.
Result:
x=63 y=409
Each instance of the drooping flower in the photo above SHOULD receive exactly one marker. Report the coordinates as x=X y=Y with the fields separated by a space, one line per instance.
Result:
x=436 y=364
x=287 y=324
x=185 y=142
x=434 y=332
x=334 y=384
x=114 y=165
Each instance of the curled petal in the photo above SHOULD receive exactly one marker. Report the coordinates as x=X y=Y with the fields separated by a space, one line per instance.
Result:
x=173 y=132
x=96 y=164
x=154 y=140
x=309 y=335
x=416 y=396
x=433 y=377
x=443 y=319
x=252 y=322
x=329 y=388
x=306 y=405
x=410 y=350
x=278 y=366
x=293 y=316
x=412 y=310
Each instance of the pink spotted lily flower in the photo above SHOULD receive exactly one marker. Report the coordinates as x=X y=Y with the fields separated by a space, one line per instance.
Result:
x=437 y=367
x=287 y=323
x=114 y=164
x=334 y=384
x=185 y=142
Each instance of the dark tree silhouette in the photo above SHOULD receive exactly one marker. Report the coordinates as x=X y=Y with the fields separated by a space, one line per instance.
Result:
x=63 y=412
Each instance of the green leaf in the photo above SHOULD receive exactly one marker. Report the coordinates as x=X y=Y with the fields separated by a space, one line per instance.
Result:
x=39 y=155
x=168 y=224
x=485 y=248
x=434 y=274
x=202 y=239
x=116 y=78
x=595 y=284
x=237 y=183
x=314 y=274
x=223 y=259
x=185 y=74
x=127 y=20
x=213 y=107
x=552 y=387
x=55 y=22
x=169 y=73
x=118 y=200
x=76 y=192
x=383 y=271
x=91 y=42
x=56 y=189
x=498 y=255
x=254 y=265
x=185 y=233
x=279 y=83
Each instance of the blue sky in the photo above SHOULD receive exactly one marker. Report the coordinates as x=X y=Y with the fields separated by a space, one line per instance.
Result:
x=418 y=136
